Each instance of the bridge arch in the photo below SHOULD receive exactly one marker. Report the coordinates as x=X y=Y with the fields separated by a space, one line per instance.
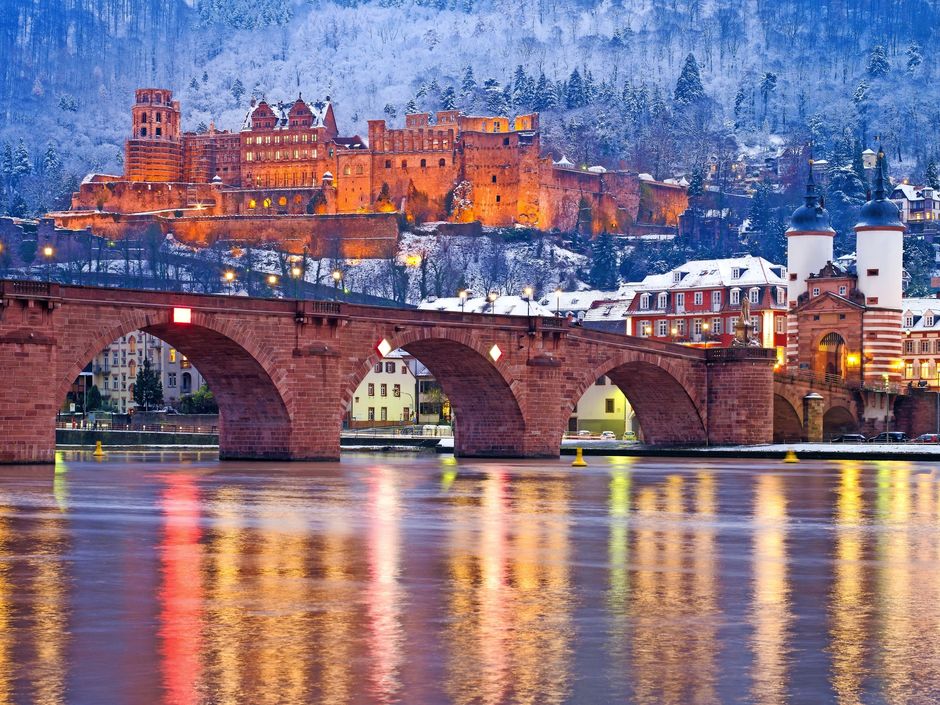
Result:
x=658 y=390
x=254 y=402
x=788 y=424
x=488 y=416
x=837 y=420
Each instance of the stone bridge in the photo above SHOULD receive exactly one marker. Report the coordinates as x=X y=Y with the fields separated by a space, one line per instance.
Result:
x=812 y=409
x=284 y=371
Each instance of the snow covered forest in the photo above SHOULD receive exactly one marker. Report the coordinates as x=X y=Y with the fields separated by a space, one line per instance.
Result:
x=603 y=73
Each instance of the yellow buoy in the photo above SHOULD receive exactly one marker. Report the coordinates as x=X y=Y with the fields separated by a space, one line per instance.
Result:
x=98 y=450
x=790 y=457
x=579 y=461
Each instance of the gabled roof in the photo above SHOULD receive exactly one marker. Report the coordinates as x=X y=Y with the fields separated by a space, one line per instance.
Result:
x=282 y=112
x=833 y=300
x=712 y=273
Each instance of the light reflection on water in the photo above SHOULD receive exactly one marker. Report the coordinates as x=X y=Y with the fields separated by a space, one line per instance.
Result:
x=410 y=580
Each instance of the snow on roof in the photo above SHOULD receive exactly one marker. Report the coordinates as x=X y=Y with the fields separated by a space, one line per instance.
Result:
x=645 y=177
x=701 y=274
x=563 y=163
x=908 y=192
x=596 y=169
x=318 y=109
x=918 y=308
x=868 y=151
x=93 y=178
x=503 y=306
x=608 y=311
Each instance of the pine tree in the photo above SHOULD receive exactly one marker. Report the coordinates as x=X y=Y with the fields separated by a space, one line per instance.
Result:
x=194 y=84
x=575 y=95
x=469 y=85
x=390 y=111
x=740 y=99
x=689 y=87
x=932 y=176
x=202 y=128
x=696 y=182
x=205 y=76
x=51 y=164
x=878 y=65
x=768 y=84
x=238 y=90
x=21 y=164
x=449 y=99
x=603 y=272
x=148 y=389
x=543 y=97
x=411 y=107
x=914 y=58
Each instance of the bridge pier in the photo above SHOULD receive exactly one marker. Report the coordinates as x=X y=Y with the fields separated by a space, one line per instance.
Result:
x=740 y=407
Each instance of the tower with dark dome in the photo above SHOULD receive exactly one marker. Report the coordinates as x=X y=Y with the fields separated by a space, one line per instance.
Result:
x=809 y=241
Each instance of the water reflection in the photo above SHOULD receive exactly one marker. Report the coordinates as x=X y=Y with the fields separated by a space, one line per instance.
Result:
x=386 y=582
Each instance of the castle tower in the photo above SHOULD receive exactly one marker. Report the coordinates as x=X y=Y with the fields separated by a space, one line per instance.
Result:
x=809 y=249
x=154 y=151
x=879 y=246
x=809 y=241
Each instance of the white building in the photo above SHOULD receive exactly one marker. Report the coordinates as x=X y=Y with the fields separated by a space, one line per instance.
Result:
x=387 y=396
x=919 y=205
x=114 y=370
x=603 y=407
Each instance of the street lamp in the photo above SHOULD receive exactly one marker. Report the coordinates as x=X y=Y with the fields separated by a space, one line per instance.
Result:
x=527 y=294
x=229 y=276
x=48 y=252
x=491 y=297
x=463 y=298
x=337 y=275
x=558 y=302
x=272 y=279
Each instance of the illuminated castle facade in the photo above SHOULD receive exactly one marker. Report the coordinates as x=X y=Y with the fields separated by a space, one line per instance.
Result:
x=288 y=159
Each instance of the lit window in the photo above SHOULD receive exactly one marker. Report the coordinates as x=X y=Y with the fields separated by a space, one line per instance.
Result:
x=252 y=203
x=780 y=323
x=172 y=355
x=267 y=203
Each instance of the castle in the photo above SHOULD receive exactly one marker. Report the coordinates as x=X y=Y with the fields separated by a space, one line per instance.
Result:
x=289 y=161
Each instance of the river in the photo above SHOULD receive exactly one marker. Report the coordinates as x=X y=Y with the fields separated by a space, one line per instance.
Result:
x=174 y=578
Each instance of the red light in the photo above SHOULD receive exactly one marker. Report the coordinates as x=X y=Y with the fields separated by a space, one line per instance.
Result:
x=182 y=315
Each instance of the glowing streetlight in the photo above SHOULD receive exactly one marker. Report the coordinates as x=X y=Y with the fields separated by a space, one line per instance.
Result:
x=558 y=301
x=47 y=251
x=527 y=294
x=337 y=276
x=463 y=298
x=295 y=272
x=272 y=279
x=229 y=276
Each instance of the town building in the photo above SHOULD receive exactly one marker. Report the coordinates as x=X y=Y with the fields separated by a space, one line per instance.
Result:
x=920 y=325
x=603 y=407
x=387 y=394
x=114 y=370
x=846 y=326
x=289 y=160
x=919 y=207
x=699 y=303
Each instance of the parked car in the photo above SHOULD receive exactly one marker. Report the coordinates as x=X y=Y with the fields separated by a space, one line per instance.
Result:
x=629 y=436
x=849 y=438
x=608 y=436
x=584 y=433
x=927 y=438
x=889 y=437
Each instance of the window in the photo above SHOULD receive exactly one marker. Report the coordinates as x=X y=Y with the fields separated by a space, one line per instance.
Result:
x=358 y=169
x=505 y=141
x=734 y=297
x=250 y=140
x=781 y=296
x=699 y=297
x=644 y=301
x=347 y=170
x=608 y=406
x=908 y=320
x=676 y=277
x=755 y=324
x=793 y=276
x=371 y=413
x=925 y=346
x=383 y=413
x=378 y=367
x=925 y=370
x=390 y=367
x=928 y=320
x=404 y=369
x=937 y=347
x=736 y=273
x=697 y=326
x=143 y=132
x=159 y=131
x=815 y=291
x=680 y=301
x=383 y=390
x=872 y=301
x=662 y=301
x=909 y=371
x=732 y=322
x=371 y=390
x=404 y=163
x=388 y=163
x=680 y=326
x=754 y=295
x=252 y=203
x=396 y=390
x=780 y=323
x=498 y=198
x=716 y=326
x=250 y=157
x=662 y=327
x=423 y=163
x=600 y=381
x=171 y=379
x=442 y=162
x=842 y=290
x=493 y=178
x=872 y=272
x=908 y=346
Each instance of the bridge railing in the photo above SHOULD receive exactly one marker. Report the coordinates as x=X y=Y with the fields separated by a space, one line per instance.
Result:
x=721 y=354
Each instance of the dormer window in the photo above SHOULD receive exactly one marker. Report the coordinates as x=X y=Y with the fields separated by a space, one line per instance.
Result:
x=676 y=277
x=842 y=290
x=908 y=320
x=662 y=300
x=928 y=320
x=644 y=302
x=736 y=273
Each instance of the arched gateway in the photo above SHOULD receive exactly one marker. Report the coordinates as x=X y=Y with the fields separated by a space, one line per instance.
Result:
x=283 y=371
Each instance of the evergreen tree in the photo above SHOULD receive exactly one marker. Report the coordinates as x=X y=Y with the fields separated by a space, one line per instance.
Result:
x=846 y=193
x=6 y=162
x=21 y=164
x=696 y=182
x=51 y=164
x=740 y=99
x=914 y=58
x=148 y=389
x=469 y=85
x=94 y=399
x=411 y=107
x=543 y=97
x=205 y=76
x=603 y=271
x=768 y=84
x=449 y=99
x=932 y=176
x=878 y=65
x=575 y=94
x=390 y=111
x=194 y=85
x=919 y=257
x=202 y=128
x=238 y=90
x=689 y=87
